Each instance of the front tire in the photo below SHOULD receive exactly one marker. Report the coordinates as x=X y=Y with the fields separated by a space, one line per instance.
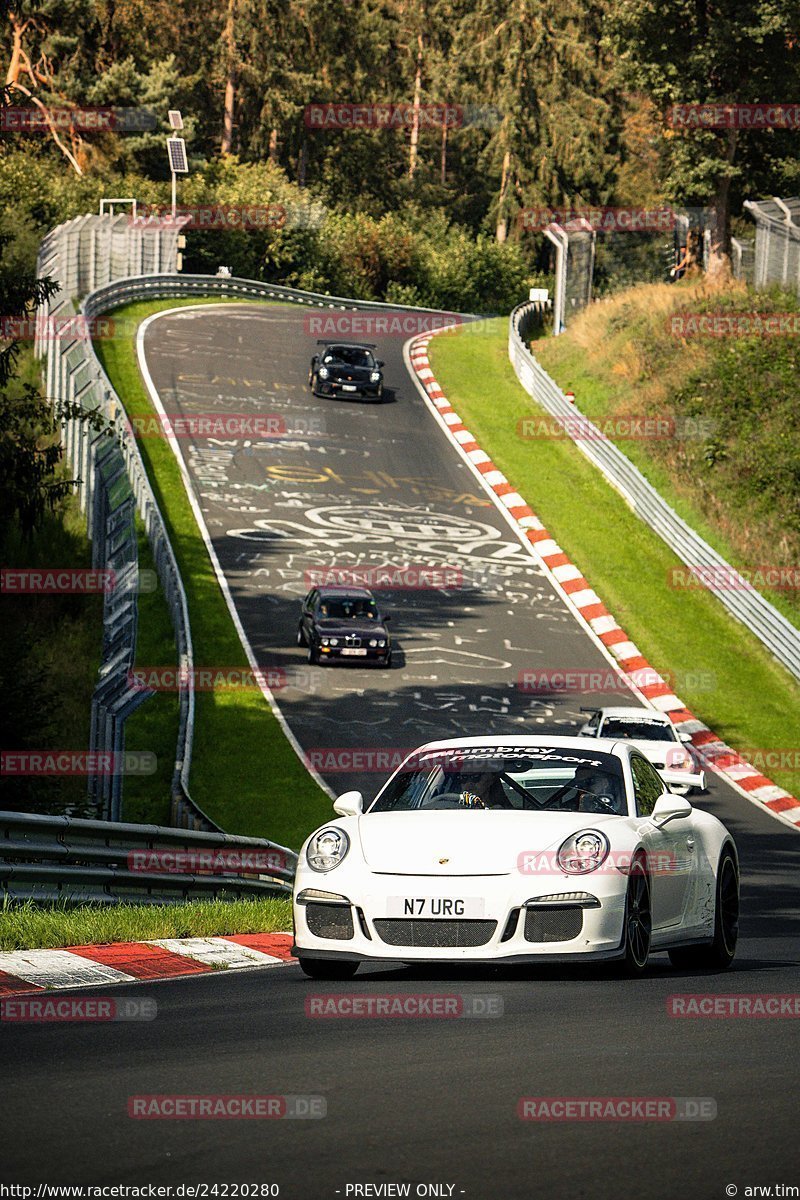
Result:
x=301 y=637
x=327 y=968
x=638 y=921
x=718 y=954
x=313 y=656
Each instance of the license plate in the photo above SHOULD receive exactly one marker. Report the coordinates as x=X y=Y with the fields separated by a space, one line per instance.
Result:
x=349 y=651
x=432 y=907
x=349 y=387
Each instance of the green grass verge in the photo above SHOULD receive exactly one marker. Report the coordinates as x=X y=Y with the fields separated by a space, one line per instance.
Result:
x=244 y=774
x=27 y=926
x=720 y=670
x=619 y=359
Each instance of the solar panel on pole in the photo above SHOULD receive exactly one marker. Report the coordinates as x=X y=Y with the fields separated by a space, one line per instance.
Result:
x=176 y=149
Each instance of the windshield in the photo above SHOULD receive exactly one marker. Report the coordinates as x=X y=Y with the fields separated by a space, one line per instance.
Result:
x=633 y=729
x=535 y=780
x=347 y=608
x=353 y=356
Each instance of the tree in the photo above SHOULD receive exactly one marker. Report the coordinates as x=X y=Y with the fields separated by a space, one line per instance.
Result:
x=539 y=62
x=682 y=52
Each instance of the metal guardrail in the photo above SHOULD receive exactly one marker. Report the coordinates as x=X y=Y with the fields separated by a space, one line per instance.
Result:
x=755 y=612
x=45 y=858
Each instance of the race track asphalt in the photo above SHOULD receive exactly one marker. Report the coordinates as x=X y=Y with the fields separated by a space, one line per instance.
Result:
x=420 y=1101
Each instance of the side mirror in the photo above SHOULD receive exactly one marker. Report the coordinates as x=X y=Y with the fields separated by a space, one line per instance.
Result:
x=670 y=807
x=349 y=804
x=684 y=737
x=380 y=362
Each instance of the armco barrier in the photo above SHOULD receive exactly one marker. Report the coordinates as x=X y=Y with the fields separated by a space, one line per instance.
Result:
x=754 y=611
x=45 y=858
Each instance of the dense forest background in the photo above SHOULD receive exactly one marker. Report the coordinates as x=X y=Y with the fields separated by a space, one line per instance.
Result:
x=562 y=104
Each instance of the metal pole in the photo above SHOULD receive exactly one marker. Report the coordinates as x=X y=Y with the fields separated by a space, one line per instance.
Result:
x=174 y=193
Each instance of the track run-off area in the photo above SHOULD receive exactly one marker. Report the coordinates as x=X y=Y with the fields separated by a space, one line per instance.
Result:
x=347 y=484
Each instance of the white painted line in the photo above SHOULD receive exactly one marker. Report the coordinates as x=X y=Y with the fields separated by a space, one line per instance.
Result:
x=212 y=554
x=59 y=968
x=218 y=952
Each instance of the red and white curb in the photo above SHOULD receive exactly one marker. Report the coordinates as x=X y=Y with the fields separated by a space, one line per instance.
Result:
x=589 y=609
x=130 y=962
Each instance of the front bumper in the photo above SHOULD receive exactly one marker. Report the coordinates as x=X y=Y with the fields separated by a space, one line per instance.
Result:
x=374 y=654
x=517 y=925
x=360 y=390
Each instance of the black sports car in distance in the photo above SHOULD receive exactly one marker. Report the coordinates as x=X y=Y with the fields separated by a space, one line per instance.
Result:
x=343 y=369
x=344 y=624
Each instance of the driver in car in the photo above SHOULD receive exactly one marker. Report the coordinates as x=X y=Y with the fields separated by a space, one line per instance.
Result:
x=483 y=790
x=590 y=790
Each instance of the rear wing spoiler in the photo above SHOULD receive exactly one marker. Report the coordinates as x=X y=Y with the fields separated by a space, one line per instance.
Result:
x=339 y=342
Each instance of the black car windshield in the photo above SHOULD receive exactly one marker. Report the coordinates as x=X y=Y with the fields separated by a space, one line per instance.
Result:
x=502 y=777
x=631 y=729
x=353 y=356
x=347 y=608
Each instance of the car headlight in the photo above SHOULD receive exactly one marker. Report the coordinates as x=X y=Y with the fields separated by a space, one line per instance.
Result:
x=373 y=642
x=323 y=372
x=382 y=642
x=324 y=641
x=583 y=852
x=375 y=377
x=327 y=849
x=679 y=761
x=334 y=641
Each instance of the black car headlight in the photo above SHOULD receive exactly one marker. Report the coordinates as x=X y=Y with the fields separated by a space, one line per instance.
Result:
x=583 y=852
x=323 y=372
x=375 y=377
x=327 y=849
x=334 y=641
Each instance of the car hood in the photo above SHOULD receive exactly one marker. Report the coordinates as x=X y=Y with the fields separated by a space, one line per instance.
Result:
x=342 y=371
x=333 y=628
x=657 y=751
x=472 y=842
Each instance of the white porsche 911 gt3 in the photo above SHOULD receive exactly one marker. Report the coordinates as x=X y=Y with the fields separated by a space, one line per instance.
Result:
x=533 y=849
